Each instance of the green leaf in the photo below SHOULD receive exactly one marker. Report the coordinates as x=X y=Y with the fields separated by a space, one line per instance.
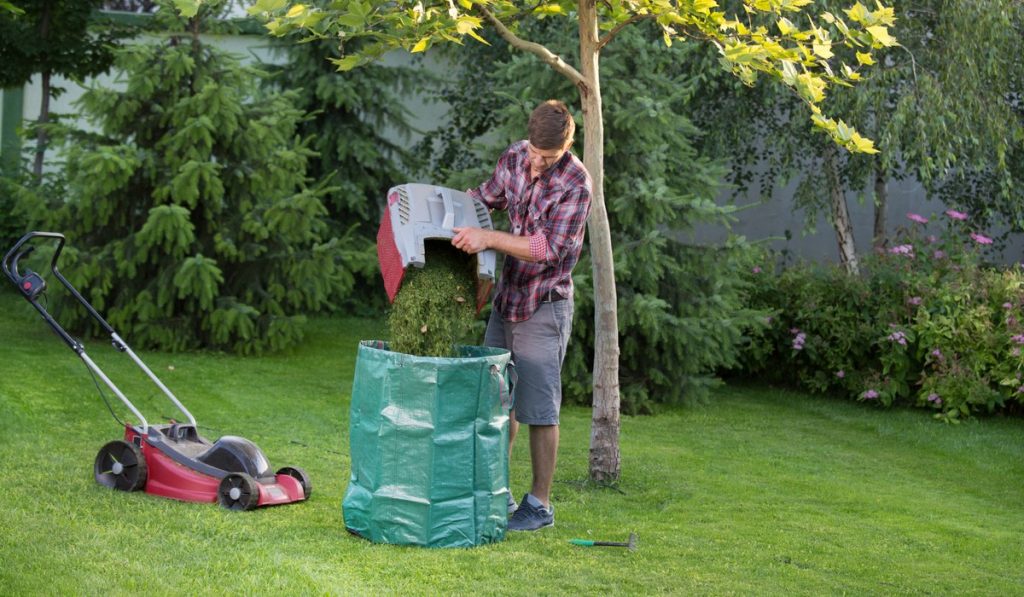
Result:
x=881 y=35
x=188 y=8
x=295 y=11
x=549 y=9
x=785 y=26
x=10 y=8
x=265 y=6
x=352 y=20
x=347 y=63
x=421 y=45
x=858 y=13
x=865 y=58
x=466 y=24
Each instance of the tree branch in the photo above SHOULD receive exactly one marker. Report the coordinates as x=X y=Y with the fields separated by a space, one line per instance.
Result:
x=536 y=49
x=615 y=31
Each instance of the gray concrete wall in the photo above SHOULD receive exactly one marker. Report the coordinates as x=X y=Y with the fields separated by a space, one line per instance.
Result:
x=768 y=219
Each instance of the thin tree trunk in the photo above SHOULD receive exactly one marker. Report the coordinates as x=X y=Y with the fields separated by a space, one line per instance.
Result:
x=881 y=205
x=604 y=432
x=840 y=213
x=42 y=137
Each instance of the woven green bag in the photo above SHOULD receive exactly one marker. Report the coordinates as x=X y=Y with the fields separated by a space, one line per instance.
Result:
x=429 y=444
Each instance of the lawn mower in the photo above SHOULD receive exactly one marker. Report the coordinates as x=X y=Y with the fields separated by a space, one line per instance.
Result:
x=171 y=460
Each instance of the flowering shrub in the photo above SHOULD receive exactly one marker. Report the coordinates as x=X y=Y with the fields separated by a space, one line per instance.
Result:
x=926 y=324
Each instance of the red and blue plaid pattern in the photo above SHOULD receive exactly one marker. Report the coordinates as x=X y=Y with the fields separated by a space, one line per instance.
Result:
x=555 y=206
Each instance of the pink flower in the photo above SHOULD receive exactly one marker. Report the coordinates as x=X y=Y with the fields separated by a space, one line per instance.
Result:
x=914 y=300
x=898 y=337
x=939 y=254
x=917 y=218
x=932 y=239
x=937 y=354
x=981 y=239
x=870 y=395
x=798 y=342
x=934 y=399
x=956 y=215
x=757 y=269
x=1007 y=305
x=840 y=374
x=902 y=250
x=1019 y=338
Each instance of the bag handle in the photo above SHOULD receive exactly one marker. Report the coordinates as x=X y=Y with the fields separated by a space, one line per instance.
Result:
x=504 y=393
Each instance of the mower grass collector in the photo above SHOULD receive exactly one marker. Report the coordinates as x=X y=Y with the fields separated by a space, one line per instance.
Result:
x=171 y=460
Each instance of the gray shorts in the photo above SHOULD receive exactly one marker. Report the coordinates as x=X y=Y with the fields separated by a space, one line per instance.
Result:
x=538 y=349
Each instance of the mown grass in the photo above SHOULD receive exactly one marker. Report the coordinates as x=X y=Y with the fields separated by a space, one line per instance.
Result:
x=760 y=492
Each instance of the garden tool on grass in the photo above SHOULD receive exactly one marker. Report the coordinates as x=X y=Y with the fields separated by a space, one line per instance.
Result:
x=418 y=212
x=631 y=544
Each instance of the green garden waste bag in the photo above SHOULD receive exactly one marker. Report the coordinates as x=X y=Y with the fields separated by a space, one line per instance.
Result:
x=429 y=444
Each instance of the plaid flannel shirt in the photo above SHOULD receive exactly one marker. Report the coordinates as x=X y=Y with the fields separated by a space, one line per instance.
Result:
x=552 y=210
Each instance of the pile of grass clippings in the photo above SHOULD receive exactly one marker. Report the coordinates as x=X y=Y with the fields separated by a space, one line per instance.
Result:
x=435 y=307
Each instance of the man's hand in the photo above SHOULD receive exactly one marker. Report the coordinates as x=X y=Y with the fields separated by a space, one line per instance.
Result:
x=471 y=240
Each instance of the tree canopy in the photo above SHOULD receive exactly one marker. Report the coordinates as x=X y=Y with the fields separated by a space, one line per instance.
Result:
x=757 y=36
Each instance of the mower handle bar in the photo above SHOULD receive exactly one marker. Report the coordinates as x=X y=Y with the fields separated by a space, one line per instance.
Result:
x=10 y=268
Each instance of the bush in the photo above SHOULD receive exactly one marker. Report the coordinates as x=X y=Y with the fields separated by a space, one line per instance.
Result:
x=927 y=324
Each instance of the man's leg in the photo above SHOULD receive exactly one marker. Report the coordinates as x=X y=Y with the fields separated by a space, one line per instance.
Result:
x=538 y=347
x=543 y=455
x=513 y=429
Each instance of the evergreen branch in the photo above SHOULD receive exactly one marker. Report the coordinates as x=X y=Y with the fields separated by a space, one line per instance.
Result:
x=536 y=49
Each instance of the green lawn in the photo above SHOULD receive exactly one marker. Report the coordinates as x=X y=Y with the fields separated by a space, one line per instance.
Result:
x=760 y=492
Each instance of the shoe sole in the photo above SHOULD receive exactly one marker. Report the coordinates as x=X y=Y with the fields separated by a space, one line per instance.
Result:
x=546 y=526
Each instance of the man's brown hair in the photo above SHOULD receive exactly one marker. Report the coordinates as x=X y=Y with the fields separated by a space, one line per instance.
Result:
x=551 y=125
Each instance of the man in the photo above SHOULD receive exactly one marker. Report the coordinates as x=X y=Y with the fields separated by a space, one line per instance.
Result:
x=546 y=191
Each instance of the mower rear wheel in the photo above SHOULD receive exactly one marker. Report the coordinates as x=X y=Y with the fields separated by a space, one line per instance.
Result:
x=120 y=465
x=238 y=491
x=299 y=475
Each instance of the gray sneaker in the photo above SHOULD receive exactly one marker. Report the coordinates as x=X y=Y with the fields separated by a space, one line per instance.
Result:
x=531 y=518
x=512 y=505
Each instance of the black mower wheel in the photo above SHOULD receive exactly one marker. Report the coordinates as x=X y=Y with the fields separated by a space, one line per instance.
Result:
x=238 y=491
x=299 y=475
x=120 y=465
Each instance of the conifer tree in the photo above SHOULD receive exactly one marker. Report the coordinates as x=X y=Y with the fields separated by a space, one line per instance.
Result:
x=358 y=127
x=189 y=214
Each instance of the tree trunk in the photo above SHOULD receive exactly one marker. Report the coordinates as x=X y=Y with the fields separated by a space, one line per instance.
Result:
x=42 y=137
x=881 y=205
x=604 y=431
x=840 y=213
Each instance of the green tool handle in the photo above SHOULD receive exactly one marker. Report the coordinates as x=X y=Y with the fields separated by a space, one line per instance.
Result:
x=588 y=543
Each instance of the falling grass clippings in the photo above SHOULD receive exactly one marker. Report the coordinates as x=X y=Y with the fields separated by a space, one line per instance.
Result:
x=435 y=308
